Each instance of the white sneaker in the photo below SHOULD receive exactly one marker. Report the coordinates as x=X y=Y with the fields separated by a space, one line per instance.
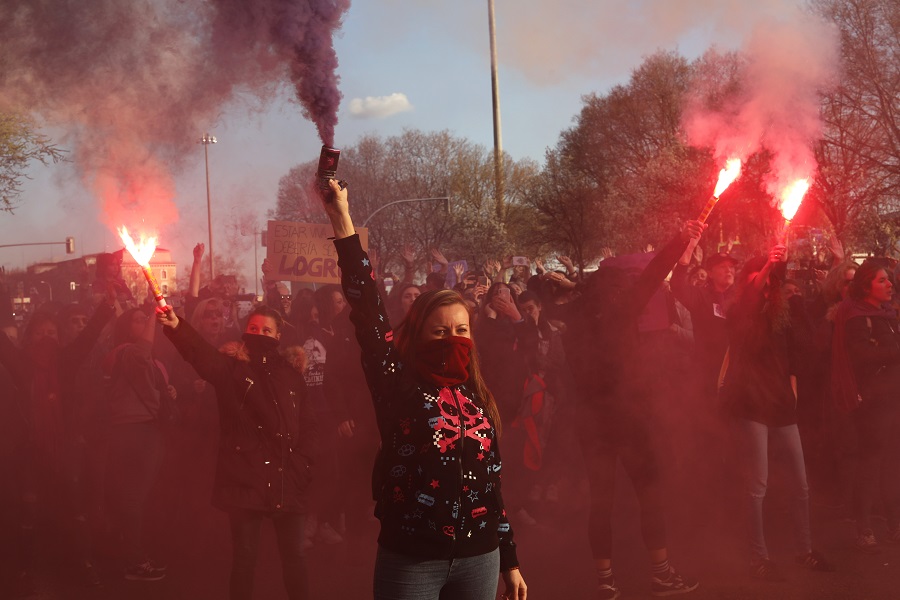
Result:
x=327 y=534
x=552 y=493
x=523 y=518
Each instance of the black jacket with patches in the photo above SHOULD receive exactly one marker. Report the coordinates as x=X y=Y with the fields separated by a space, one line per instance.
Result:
x=268 y=430
x=439 y=469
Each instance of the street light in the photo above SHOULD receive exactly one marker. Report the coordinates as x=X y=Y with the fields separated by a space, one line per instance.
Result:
x=499 y=188
x=206 y=140
x=443 y=199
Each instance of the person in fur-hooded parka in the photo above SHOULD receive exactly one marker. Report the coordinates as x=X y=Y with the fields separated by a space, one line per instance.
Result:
x=267 y=441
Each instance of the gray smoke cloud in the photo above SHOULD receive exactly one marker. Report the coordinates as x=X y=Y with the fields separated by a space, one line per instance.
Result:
x=134 y=84
x=549 y=41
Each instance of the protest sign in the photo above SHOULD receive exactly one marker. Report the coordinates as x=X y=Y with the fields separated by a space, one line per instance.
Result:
x=303 y=252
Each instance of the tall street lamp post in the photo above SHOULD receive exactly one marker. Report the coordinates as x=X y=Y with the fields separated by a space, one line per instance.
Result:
x=206 y=140
x=499 y=191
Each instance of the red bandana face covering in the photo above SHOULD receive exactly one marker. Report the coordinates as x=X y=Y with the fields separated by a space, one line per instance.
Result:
x=444 y=362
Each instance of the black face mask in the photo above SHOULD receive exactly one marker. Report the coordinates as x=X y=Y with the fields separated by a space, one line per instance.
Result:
x=259 y=344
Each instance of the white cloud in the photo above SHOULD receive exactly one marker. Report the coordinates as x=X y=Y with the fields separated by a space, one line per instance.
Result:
x=380 y=107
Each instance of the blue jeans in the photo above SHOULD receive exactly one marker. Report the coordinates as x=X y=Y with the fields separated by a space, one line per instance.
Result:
x=405 y=577
x=754 y=438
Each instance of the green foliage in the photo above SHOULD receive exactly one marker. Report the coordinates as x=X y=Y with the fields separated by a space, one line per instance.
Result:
x=622 y=176
x=20 y=144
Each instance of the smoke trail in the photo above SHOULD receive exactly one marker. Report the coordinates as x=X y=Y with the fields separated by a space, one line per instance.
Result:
x=298 y=33
x=774 y=98
x=133 y=85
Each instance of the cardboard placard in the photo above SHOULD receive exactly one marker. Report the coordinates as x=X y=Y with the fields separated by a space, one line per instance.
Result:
x=303 y=252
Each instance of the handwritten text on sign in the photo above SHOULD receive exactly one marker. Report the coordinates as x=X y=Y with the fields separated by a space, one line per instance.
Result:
x=303 y=252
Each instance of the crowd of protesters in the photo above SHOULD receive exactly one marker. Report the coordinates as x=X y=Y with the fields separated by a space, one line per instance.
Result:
x=270 y=414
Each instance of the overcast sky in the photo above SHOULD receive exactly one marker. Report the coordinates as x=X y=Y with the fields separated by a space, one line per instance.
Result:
x=423 y=64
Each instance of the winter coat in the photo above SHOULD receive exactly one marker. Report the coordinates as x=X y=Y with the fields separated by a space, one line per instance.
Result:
x=137 y=384
x=708 y=309
x=268 y=431
x=603 y=347
x=45 y=377
x=345 y=382
x=439 y=469
x=502 y=363
x=761 y=360
x=871 y=338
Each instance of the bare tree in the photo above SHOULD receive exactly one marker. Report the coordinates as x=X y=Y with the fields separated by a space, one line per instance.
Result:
x=20 y=144
x=411 y=166
x=859 y=158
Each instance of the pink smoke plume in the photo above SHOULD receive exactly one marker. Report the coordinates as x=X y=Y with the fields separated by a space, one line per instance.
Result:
x=770 y=98
x=132 y=86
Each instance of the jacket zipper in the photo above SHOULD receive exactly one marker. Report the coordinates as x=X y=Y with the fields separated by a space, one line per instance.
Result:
x=247 y=391
x=283 y=436
x=462 y=438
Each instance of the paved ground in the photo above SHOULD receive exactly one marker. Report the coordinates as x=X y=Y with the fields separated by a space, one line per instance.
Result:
x=555 y=560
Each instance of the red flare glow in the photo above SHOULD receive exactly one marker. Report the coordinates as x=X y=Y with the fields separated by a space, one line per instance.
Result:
x=142 y=251
x=791 y=197
x=727 y=175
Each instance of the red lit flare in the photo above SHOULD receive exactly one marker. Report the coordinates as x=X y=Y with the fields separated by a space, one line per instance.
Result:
x=791 y=197
x=726 y=177
x=142 y=253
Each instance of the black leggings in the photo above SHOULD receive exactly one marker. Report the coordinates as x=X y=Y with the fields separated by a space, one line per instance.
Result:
x=245 y=526
x=602 y=446
x=877 y=422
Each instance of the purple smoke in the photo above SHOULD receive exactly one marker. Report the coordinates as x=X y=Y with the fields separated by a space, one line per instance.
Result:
x=299 y=34
x=130 y=86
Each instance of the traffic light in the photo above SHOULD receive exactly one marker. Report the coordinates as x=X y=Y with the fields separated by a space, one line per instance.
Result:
x=70 y=245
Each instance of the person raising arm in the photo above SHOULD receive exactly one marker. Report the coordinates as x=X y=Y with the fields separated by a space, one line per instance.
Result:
x=444 y=531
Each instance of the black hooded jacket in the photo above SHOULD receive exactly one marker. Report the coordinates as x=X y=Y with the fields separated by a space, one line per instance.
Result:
x=602 y=341
x=440 y=465
x=268 y=430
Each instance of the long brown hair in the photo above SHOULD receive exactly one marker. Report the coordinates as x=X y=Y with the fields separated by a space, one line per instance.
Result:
x=408 y=336
x=861 y=286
